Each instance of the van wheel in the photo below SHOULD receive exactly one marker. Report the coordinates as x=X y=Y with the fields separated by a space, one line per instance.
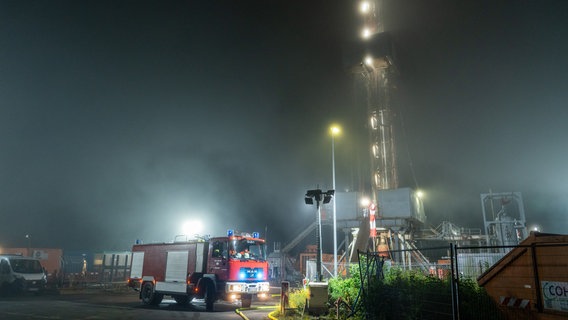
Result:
x=246 y=300
x=149 y=296
x=210 y=296
x=18 y=286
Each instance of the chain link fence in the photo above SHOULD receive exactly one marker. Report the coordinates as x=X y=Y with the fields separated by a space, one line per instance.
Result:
x=522 y=282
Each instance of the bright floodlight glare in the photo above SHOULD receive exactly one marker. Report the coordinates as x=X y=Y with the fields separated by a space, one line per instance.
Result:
x=365 y=6
x=192 y=227
x=366 y=34
x=369 y=61
x=420 y=194
x=365 y=202
x=335 y=130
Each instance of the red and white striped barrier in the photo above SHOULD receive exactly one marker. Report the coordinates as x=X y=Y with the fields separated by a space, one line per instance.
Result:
x=514 y=302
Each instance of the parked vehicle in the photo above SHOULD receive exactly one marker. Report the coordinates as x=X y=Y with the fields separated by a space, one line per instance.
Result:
x=21 y=274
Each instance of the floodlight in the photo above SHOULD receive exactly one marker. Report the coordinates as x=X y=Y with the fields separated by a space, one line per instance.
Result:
x=366 y=33
x=313 y=193
x=365 y=201
x=365 y=7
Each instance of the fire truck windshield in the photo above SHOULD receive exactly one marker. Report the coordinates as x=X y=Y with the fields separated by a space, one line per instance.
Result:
x=247 y=249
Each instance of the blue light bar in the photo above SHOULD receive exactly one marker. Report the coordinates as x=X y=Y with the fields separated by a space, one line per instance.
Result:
x=256 y=235
x=230 y=233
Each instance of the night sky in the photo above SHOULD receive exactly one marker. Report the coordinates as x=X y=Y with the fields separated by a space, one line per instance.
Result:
x=120 y=120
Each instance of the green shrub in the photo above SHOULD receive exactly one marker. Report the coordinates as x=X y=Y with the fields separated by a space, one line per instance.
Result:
x=345 y=292
x=296 y=304
x=297 y=298
x=475 y=303
x=405 y=294
x=408 y=294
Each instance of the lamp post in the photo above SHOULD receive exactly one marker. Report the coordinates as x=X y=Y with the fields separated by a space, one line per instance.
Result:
x=335 y=130
x=319 y=196
x=29 y=237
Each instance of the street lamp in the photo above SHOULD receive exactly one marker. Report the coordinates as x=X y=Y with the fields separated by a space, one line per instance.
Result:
x=335 y=130
x=29 y=237
x=319 y=196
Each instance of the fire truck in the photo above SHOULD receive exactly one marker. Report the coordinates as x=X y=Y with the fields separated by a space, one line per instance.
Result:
x=231 y=268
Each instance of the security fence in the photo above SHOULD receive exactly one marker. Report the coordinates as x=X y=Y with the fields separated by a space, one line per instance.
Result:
x=519 y=282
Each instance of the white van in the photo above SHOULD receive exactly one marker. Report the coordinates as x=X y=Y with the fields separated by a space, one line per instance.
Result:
x=21 y=274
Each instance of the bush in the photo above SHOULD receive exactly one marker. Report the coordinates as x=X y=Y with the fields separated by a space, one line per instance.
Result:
x=408 y=294
x=475 y=303
x=296 y=304
x=297 y=299
x=345 y=292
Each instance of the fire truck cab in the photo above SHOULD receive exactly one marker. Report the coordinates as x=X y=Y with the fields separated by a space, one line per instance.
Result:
x=230 y=268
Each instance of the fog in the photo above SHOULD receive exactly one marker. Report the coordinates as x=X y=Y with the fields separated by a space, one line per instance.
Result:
x=120 y=120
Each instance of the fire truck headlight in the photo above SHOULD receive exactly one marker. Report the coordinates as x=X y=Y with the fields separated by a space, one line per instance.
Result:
x=235 y=288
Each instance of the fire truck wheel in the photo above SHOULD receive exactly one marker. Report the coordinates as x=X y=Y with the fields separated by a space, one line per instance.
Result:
x=149 y=296
x=246 y=300
x=181 y=300
x=209 y=295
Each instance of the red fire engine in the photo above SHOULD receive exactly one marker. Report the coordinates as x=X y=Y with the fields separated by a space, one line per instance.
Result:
x=229 y=268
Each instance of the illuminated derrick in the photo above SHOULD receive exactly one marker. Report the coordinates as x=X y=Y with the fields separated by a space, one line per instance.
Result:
x=376 y=72
x=381 y=130
x=375 y=75
x=372 y=14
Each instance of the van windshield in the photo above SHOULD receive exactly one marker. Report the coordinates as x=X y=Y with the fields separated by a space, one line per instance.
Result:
x=26 y=266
